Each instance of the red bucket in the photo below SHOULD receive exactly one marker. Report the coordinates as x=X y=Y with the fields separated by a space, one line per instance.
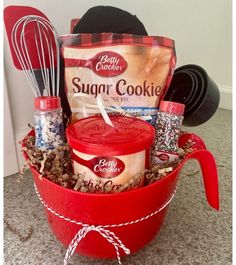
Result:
x=134 y=217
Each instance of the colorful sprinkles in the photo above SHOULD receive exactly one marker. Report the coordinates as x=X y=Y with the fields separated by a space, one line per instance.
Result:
x=168 y=128
x=49 y=130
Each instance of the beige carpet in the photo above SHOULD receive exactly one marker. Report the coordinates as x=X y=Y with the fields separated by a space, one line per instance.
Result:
x=193 y=233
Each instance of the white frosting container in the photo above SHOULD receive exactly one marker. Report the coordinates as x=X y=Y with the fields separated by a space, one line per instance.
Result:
x=110 y=159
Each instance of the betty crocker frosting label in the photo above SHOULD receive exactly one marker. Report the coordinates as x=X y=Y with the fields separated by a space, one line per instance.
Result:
x=108 y=173
x=110 y=159
x=102 y=166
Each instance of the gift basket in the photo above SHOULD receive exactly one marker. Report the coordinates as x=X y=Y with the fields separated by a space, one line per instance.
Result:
x=107 y=175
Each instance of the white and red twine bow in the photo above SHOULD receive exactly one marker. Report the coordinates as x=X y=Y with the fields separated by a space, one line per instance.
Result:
x=101 y=229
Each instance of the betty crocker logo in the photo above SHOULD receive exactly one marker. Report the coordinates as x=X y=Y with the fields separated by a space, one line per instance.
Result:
x=102 y=166
x=163 y=157
x=107 y=167
x=108 y=63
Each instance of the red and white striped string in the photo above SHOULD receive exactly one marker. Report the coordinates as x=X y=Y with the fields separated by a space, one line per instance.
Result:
x=101 y=229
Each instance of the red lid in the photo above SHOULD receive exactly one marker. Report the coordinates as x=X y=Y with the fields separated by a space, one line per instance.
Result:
x=172 y=107
x=47 y=103
x=93 y=136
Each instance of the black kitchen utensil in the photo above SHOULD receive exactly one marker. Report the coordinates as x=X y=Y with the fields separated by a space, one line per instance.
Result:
x=192 y=86
x=109 y=19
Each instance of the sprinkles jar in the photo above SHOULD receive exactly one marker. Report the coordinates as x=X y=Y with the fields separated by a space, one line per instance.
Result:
x=49 y=129
x=168 y=126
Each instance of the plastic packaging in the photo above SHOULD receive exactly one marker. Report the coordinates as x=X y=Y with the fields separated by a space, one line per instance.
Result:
x=49 y=130
x=135 y=71
x=168 y=126
x=110 y=159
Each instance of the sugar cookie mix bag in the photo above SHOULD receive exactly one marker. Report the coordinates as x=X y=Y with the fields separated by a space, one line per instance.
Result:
x=130 y=71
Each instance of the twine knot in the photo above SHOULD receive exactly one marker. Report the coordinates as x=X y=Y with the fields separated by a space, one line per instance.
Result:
x=107 y=234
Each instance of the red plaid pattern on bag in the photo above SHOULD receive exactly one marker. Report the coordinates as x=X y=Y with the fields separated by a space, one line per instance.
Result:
x=105 y=39
x=83 y=52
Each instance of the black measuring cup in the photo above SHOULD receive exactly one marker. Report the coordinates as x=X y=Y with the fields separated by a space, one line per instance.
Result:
x=192 y=86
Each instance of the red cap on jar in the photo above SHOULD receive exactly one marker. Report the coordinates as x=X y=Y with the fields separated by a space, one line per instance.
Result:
x=47 y=103
x=172 y=107
x=93 y=136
